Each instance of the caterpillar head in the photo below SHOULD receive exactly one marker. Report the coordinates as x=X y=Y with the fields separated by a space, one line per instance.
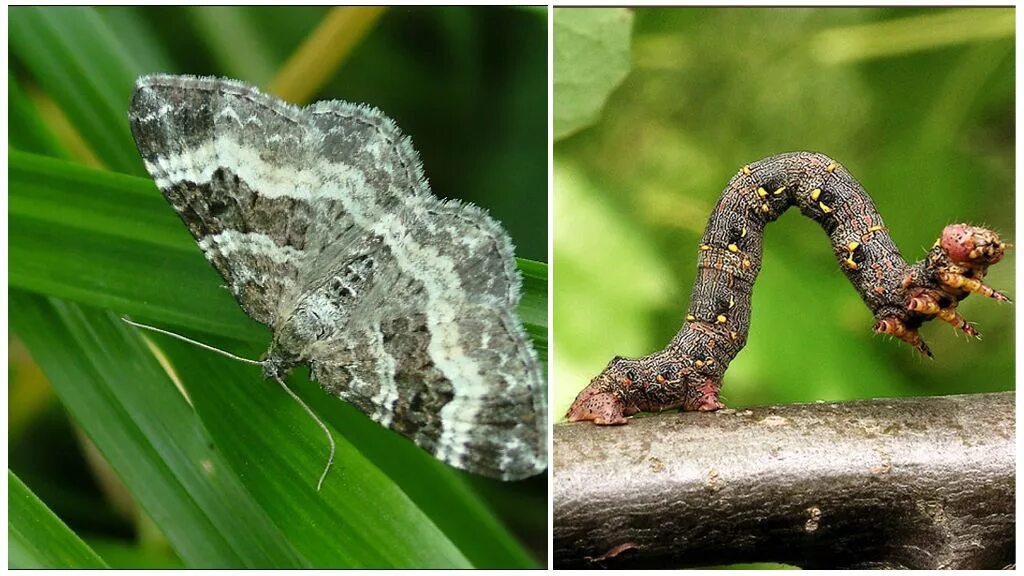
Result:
x=972 y=246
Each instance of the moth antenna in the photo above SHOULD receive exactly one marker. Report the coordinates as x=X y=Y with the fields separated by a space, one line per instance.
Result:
x=330 y=438
x=191 y=341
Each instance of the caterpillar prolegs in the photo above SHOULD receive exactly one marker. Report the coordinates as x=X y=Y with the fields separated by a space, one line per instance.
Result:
x=688 y=373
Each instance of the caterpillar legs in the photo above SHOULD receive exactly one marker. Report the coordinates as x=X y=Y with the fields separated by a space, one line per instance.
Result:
x=929 y=302
x=954 y=280
x=895 y=327
x=653 y=383
x=603 y=408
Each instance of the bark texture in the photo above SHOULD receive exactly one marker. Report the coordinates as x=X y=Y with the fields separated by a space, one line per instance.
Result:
x=889 y=483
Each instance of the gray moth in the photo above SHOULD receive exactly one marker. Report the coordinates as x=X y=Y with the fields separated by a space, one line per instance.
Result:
x=323 y=226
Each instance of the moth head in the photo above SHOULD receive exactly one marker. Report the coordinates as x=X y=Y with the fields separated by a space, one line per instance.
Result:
x=310 y=323
x=276 y=367
x=972 y=246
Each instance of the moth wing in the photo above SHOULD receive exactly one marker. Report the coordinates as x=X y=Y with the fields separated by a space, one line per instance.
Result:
x=496 y=429
x=219 y=151
x=453 y=368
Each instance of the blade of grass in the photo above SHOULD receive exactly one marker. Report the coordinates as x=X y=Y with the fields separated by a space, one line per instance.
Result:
x=360 y=518
x=234 y=42
x=899 y=36
x=78 y=59
x=115 y=390
x=136 y=36
x=27 y=130
x=37 y=538
x=323 y=51
x=123 y=556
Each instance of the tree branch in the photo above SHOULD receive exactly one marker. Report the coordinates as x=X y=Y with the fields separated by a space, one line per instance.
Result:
x=911 y=482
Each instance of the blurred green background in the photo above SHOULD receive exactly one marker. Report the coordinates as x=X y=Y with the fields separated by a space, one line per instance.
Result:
x=108 y=463
x=917 y=103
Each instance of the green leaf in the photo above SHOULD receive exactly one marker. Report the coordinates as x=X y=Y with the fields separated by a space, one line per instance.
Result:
x=591 y=58
x=36 y=537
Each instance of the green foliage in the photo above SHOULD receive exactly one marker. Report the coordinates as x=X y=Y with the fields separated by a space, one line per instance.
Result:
x=36 y=538
x=925 y=124
x=591 y=58
x=218 y=462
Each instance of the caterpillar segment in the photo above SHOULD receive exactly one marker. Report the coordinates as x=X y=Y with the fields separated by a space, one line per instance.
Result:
x=688 y=373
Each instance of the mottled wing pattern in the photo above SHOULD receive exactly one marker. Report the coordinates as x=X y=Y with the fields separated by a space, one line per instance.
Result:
x=321 y=221
x=432 y=346
x=213 y=147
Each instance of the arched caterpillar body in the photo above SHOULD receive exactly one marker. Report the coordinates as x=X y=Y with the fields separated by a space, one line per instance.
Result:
x=688 y=372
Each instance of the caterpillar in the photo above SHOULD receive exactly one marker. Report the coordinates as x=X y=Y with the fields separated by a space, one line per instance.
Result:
x=687 y=374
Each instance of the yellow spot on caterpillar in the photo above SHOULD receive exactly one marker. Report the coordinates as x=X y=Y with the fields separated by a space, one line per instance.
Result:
x=850 y=264
x=733 y=248
x=762 y=192
x=746 y=263
x=732 y=302
x=705 y=247
x=764 y=208
x=852 y=246
x=831 y=167
x=824 y=208
x=721 y=318
x=779 y=190
x=734 y=336
x=743 y=234
x=699 y=363
x=746 y=170
x=691 y=317
x=875 y=228
x=815 y=193
x=937 y=241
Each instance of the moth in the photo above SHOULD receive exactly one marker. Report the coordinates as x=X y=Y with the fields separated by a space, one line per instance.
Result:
x=902 y=296
x=324 y=228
